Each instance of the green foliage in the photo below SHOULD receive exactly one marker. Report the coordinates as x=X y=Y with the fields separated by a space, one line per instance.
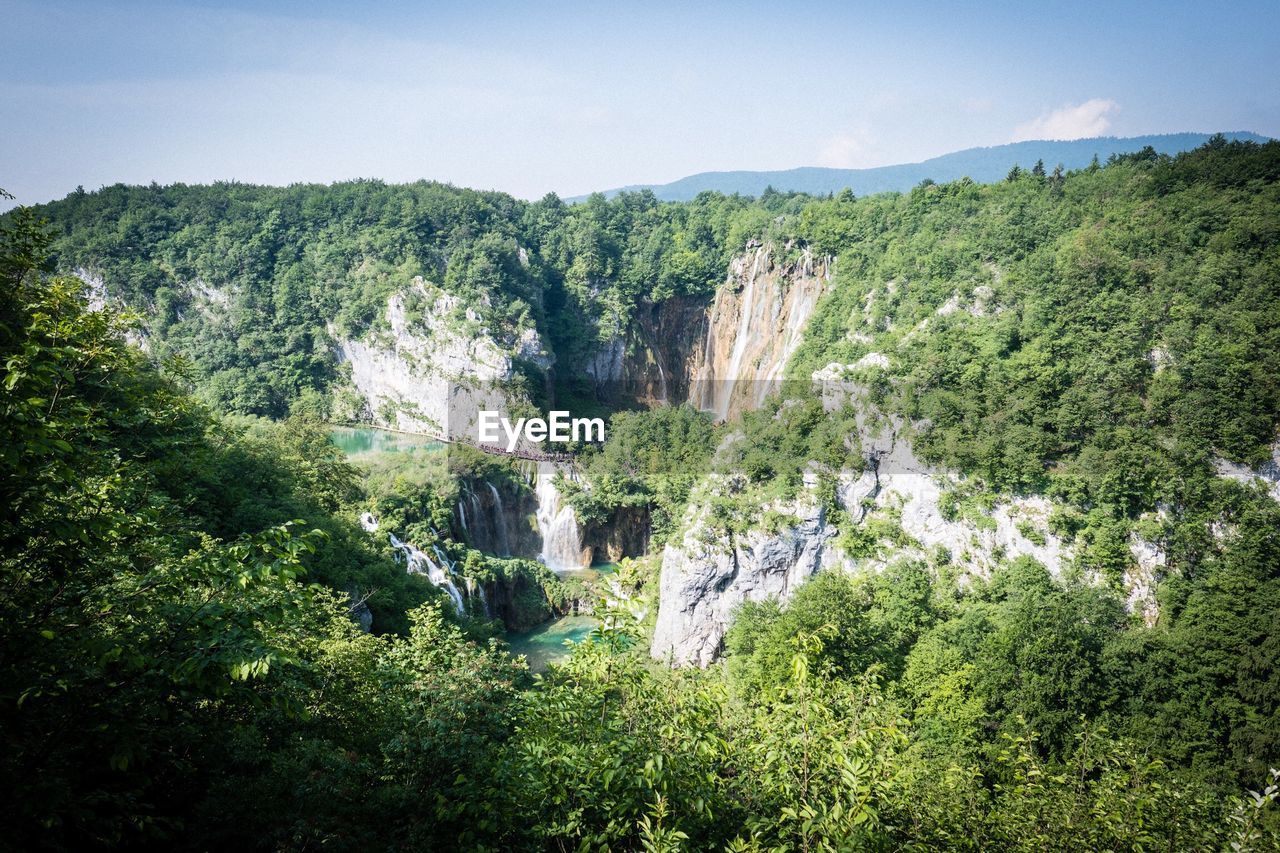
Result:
x=652 y=460
x=245 y=281
x=776 y=447
x=1100 y=342
x=868 y=622
x=175 y=617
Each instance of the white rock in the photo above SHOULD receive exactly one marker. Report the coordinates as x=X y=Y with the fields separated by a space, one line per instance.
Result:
x=433 y=376
x=1267 y=474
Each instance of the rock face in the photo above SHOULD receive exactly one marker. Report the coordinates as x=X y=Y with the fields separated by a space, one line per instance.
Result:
x=723 y=357
x=893 y=478
x=1140 y=581
x=626 y=534
x=1266 y=475
x=433 y=373
x=754 y=327
x=708 y=572
x=707 y=575
x=653 y=361
x=98 y=298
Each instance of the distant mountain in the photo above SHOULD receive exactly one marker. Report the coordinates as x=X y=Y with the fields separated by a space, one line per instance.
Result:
x=981 y=164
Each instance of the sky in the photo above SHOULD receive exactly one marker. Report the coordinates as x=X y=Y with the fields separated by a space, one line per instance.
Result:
x=536 y=97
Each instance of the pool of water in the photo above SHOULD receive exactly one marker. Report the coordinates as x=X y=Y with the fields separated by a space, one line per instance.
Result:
x=590 y=573
x=359 y=441
x=545 y=644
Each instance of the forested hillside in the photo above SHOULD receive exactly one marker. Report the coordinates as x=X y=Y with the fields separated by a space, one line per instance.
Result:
x=243 y=281
x=184 y=560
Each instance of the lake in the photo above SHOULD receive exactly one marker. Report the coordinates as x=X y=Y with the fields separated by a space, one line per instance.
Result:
x=545 y=644
x=359 y=441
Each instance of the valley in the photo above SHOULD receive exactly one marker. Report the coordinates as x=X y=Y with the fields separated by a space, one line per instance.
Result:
x=921 y=516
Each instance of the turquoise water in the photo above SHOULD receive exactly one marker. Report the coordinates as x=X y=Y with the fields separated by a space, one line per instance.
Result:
x=591 y=573
x=358 y=441
x=545 y=644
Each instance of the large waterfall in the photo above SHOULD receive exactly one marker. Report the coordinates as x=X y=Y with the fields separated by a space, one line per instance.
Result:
x=420 y=564
x=500 y=521
x=754 y=327
x=483 y=522
x=561 y=544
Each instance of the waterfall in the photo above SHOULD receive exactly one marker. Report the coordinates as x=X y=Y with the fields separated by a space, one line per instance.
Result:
x=499 y=521
x=462 y=517
x=561 y=545
x=369 y=523
x=444 y=560
x=419 y=563
x=476 y=590
x=478 y=519
x=724 y=394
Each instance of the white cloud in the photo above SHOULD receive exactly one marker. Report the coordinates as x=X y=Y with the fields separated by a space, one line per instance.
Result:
x=846 y=150
x=1070 y=122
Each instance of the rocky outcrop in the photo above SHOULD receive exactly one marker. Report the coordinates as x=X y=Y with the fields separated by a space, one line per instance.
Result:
x=432 y=369
x=708 y=574
x=1266 y=475
x=755 y=325
x=98 y=298
x=625 y=534
x=895 y=480
x=1140 y=581
x=653 y=361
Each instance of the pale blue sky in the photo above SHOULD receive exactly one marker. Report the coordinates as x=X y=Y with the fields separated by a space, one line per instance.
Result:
x=534 y=97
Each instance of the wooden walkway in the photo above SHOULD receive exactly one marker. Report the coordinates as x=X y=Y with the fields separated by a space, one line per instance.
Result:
x=533 y=455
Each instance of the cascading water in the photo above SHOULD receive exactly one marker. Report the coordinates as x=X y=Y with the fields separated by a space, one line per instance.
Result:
x=475 y=590
x=499 y=521
x=419 y=563
x=724 y=392
x=561 y=544
x=754 y=328
x=479 y=520
x=369 y=523
x=444 y=560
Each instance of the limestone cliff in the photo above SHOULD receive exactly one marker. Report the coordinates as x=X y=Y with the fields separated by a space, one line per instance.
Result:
x=653 y=361
x=432 y=368
x=724 y=354
x=755 y=325
x=1266 y=475
x=625 y=534
x=708 y=572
